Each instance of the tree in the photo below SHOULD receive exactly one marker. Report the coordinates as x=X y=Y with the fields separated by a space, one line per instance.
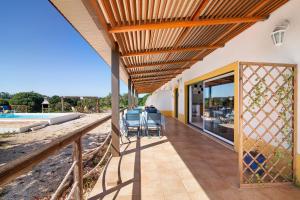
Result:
x=143 y=100
x=87 y=104
x=31 y=99
x=124 y=100
x=5 y=95
x=54 y=100
x=3 y=102
x=105 y=102
x=57 y=107
x=71 y=100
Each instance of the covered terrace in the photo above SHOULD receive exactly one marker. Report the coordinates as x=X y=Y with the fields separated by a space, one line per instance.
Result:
x=147 y=43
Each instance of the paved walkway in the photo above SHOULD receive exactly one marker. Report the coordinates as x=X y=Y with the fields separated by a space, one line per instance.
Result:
x=181 y=165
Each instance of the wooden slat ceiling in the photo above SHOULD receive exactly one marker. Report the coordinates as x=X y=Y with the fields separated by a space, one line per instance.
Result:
x=159 y=39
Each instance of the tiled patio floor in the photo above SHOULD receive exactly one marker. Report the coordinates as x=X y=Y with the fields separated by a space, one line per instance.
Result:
x=181 y=165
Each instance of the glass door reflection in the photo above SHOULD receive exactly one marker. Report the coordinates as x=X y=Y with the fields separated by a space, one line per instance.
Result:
x=196 y=104
x=218 y=103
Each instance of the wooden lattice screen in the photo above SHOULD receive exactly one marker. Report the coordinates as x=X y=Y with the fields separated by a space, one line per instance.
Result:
x=266 y=123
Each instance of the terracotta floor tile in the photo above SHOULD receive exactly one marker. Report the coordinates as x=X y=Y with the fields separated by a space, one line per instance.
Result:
x=199 y=195
x=177 y=196
x=151 y=188
x=152 y=197
x=184 y=164
x=192 y=185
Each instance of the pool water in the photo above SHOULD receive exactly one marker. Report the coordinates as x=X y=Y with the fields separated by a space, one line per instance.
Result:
x=25 y=116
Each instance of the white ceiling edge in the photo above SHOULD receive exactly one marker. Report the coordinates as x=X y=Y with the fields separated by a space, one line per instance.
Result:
x=76 y=13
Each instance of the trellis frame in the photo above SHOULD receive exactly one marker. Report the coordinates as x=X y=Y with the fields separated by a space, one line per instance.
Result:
x=242 y=169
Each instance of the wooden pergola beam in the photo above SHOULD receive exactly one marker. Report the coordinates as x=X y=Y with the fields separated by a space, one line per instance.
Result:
x=157 y=71
x=148 y=75
x=153 y=80
x=154 y=77
x=182 y=24
x=163 y=63
x=150 y=81
x=175 y=50
x=150 y=87
x=142 y=85
x=142 y=90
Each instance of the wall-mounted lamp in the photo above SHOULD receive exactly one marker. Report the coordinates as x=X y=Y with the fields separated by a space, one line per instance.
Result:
x=279 y=32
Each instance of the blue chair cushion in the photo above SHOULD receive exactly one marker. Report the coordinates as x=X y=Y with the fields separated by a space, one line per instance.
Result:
x=133 y=123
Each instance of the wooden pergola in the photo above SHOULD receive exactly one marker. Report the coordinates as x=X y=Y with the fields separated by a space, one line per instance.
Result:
x=149 y=42
x=159 y=39
x=154 y=41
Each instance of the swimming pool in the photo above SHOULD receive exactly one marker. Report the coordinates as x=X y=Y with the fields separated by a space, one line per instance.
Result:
x=25 y=116
x=36 y=119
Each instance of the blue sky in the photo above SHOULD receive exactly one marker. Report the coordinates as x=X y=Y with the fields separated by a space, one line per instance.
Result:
x=41 y=52
x=224 y=90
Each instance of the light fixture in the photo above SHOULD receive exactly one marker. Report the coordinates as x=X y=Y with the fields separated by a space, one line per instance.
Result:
x=279 y=32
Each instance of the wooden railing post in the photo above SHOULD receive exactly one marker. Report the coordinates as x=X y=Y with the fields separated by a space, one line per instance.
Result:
x=78 y=170
x=129 y=93
x=62 y=103
x=115 y=110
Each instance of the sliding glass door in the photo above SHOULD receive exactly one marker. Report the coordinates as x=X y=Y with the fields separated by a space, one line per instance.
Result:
x=218 y=115
x=196 y=104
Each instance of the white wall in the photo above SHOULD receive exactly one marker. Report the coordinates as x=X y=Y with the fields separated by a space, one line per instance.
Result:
x=255 y=45
x=163 y=96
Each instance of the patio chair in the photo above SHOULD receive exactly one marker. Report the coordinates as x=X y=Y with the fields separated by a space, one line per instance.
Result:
x=132 y=121
x=152 y=110
x=138 y=110
x=153 y=121
x=133 y=111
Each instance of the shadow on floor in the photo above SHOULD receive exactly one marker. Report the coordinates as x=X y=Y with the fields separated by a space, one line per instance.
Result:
x=184 y=164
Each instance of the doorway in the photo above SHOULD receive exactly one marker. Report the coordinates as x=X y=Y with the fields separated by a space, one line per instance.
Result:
x=211 y=106
x=218 y=107
x=196 y=104
x=176 y=102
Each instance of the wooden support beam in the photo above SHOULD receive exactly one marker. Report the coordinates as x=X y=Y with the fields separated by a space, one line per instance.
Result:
x=163 y=63
x=148 y=83
x=62 y=104
x=150 y=87
x=200 y=9
x=143 y=86
x=115 y=88
x=195 y=17
x=97 y=15
x=153 y=75
x=182 y=24
x=175 y=50
x=157 y=71
x=133 y=94
x=250 y=13
x=153 y=80
x=137 y=97
x=147 y=90
x=129 y=93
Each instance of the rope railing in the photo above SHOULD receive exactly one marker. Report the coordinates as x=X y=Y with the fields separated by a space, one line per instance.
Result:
x=20 y=166
x=99 y=163
x=94 y=151
x=60 y=187
x=75 y=185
